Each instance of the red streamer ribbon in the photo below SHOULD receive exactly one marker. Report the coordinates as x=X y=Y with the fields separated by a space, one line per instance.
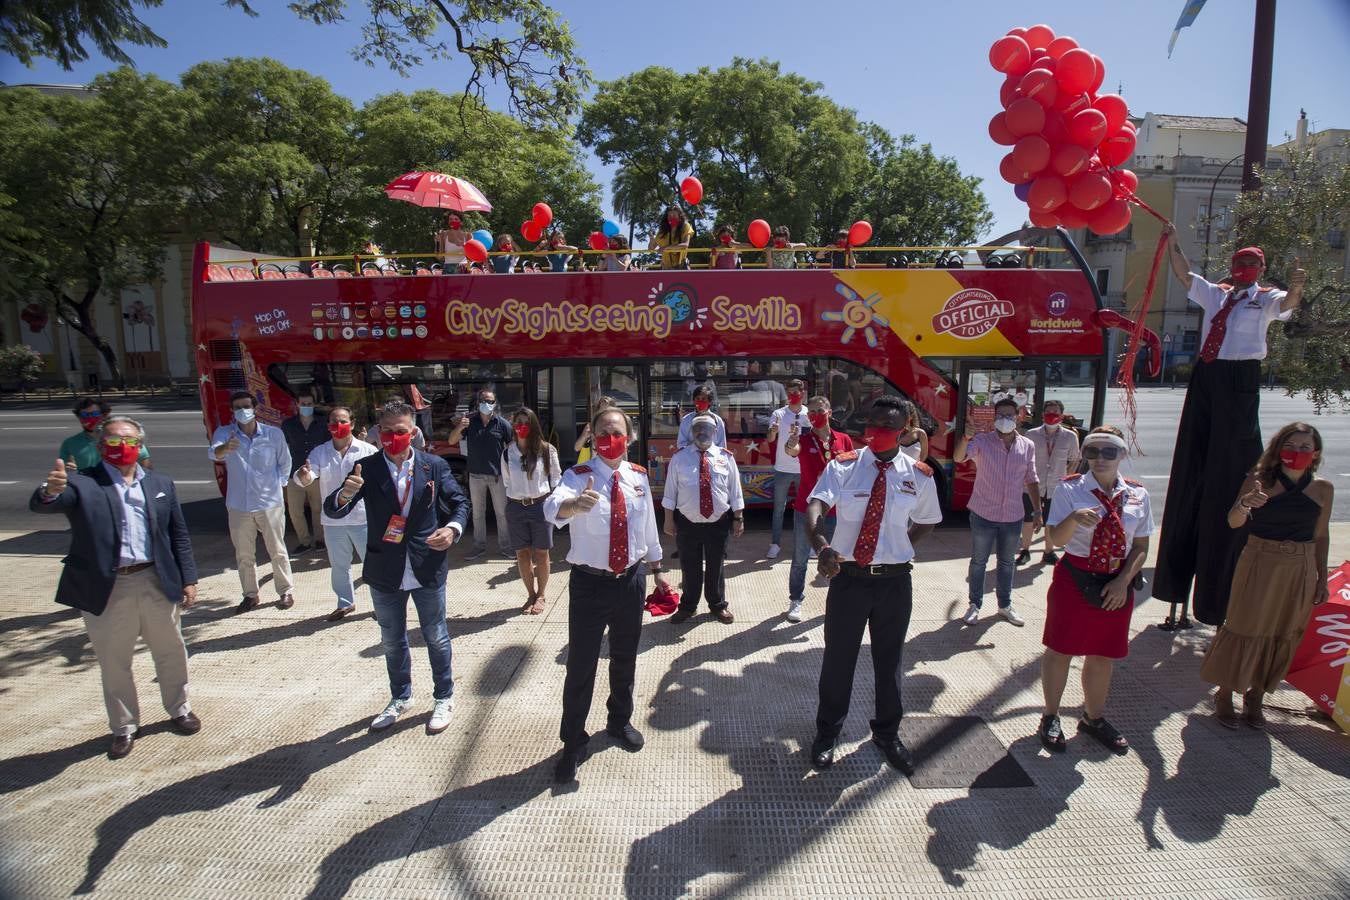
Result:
x=1140 y=314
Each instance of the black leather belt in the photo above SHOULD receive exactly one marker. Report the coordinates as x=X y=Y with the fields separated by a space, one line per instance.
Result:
x=531 y=501
x=131 y=570
x=880 y=570
x=605 y=573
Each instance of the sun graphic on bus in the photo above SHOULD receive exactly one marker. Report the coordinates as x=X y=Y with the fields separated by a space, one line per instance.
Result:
x=682 y=301
x=857 y=314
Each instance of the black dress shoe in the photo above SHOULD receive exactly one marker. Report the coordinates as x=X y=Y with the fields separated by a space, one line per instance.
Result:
x=627 y=735
x=121 y=745
x=681 y=615
x=1023 y=558
x=822 y=752
x=188 y=723
x=248 y=604
x=566 y=770
x=896 y=753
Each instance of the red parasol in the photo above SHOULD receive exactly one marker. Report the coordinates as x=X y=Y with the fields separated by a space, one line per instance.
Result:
x=1321 y=667
x=437 y=191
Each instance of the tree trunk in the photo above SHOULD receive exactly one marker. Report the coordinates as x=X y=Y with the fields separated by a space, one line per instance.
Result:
x=83 y=322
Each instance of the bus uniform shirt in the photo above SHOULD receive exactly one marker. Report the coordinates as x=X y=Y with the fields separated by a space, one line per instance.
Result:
x=486 y=443
x=814 y=459
x=686 y=435
x=257 y=470
x=783 y=417
x=519 y=485
x=590 y=530
x=1075 y=492
x=1245 y=336
x=911 y=496
x=681 y=491
x=332 y=469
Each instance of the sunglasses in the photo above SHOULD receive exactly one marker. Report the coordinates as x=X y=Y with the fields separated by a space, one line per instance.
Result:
x=1107 y=453
x=90 y=415
x=115 y=441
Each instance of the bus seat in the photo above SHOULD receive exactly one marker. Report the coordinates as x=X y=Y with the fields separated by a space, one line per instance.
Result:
x=318 y=271
x=241 y=273
x=217 y=272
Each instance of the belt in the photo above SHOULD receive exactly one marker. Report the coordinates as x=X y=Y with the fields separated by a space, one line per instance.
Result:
x=132 y=569
x=605 y=573
x=530 y=501
x=880 y=570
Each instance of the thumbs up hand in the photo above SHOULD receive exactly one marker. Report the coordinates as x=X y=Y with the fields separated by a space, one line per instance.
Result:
x=1299 y=277
x=56 y=479
x=352 y=486
x=71 y=465
x=587 y=499
x=1255 y=499
x=304 y=475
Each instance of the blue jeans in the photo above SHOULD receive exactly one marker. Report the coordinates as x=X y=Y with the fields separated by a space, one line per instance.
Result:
x=391 y=611
x=1002 y=538
x=782 y=481
x=801 y=553
x=343 y=541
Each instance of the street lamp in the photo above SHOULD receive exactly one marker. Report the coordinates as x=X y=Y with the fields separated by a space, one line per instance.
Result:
x=1209 y=217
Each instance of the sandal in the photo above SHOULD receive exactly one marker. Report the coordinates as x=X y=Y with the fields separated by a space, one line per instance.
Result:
x=1105 y=734
x=538 y=605
x=1052 y=734
x=528 y=608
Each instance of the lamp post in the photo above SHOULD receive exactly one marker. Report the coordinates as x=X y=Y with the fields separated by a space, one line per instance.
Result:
x=1209 y=217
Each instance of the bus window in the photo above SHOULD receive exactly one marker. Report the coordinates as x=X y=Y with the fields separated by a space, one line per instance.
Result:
x=851 y=388
x=333 y=384
x=450 y=388
x=1071 y=381
x=986 y=385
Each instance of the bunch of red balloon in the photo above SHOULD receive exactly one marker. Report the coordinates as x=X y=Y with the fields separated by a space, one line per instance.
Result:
x=541 y=217
x=1066 y=139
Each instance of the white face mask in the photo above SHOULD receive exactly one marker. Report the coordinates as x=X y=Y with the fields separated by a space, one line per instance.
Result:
x=244 y=416
x=486 y=408
x=1005 y=424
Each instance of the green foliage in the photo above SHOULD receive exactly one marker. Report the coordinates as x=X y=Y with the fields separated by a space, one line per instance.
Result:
x=21 y=363
x=1300 y=204
x=57 y=29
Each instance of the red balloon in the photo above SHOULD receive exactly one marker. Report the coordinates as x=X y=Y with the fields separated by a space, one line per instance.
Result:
x=1044 y=219
x=758 y=232
x=1111 y=218
x=1125 y=183
x=1118 y=147
x=542 y=215
x=1011 y=172
x=1112 y=106
x=1010 y=54
x=1019 y=31
x=1025 y=117
x=599 y=241
x=1039 y=85
x=1071 y=217
x=1054 y=130
x=1087 y=128
x=691 y=189
x=1061 y=45
x=1031 y=154
x=531 y=230
x=1048 y=193
x=1040 y=36
x=998 y=130
x=1007 y=91
x=1090 y=190
x=1069 y=160
x=1043 y=61
x=475 y=250
x=1075 y=71
x=1099 y=73
x=860 y=233
x=1070 y=105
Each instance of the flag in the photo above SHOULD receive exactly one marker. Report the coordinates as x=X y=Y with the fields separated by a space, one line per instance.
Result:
x=1188 y=15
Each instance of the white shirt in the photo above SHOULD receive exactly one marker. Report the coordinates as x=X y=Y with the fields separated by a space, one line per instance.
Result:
x=522 y=486
x=686 y=434
x=1075 y=492
x=590 y=530
x=402 y=475
x=332 y=468
x=1245 y=335
x=912 y=450
x=783 y=417
x=911 y=496
x=135 y=516
x=681 y=491
x=1056 y=454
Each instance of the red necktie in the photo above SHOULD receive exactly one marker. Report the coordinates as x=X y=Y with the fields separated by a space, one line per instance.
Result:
x=1108 y=538
x=705 y=506
x=1218 y=326
x=618 y=527
x=866 y=545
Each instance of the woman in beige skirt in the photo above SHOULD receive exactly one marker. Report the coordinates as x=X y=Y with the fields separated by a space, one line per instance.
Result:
x=1280 y=576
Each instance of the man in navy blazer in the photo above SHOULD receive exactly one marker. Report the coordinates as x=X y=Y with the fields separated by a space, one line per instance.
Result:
x=415 y=510
x=129 y=571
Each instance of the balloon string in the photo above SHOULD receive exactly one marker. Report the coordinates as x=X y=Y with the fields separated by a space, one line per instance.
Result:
x=1140 y=316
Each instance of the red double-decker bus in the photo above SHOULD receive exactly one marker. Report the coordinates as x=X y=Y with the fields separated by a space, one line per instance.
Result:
x=953 y=340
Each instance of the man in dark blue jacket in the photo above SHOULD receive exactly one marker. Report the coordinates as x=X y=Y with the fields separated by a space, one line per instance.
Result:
x=129 y=568
x=415 y=510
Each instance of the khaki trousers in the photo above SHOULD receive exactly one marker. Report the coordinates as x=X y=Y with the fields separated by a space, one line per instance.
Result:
x=244 y=530
x=138 y=608
x=297 y=498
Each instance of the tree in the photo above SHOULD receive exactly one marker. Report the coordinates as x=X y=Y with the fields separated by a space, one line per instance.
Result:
x=522 y=45
x=94 y=185
x=1301 y=204
x=21 y=363
x=918 y=199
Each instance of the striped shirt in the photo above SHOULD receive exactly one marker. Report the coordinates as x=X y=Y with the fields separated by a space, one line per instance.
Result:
x=1001 y=471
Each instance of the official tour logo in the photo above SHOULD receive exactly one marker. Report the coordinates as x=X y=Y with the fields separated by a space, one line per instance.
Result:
x=971 y=313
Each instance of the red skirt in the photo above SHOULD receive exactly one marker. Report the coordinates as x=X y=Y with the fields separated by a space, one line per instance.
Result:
x=1075 y=627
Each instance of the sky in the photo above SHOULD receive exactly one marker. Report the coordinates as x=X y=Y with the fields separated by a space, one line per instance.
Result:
x=912 y=67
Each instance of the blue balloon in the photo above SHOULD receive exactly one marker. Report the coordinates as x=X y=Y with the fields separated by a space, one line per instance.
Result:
x=610 y=228
x=484 y=237
x=1022 y=190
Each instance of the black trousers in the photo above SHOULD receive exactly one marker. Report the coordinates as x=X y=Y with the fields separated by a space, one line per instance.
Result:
x=598 y=603
x=1218 y=442
x=703 y=549
x=883 y=606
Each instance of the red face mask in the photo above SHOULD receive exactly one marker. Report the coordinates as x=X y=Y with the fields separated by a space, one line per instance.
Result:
x=780 y=242
x=611 y=446
x=522 y=430
x=818 y=419
x=881 y=440
x=123 y=455
x=841 y=243
x=395 y=442
x=508 y=247
x=725 y=239
x=1297 y=459
x=340 y=430
x=794 y=397
x=672 y=221
x=1246 y=273
x=702 y=405
x=454 y=224
x=1051 y=418
x=89 y=423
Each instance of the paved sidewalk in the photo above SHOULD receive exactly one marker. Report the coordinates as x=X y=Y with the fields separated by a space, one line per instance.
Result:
x=285 y=793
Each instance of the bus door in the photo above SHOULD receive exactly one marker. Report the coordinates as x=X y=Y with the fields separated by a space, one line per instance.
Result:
x=984 y=383
x=570 y=393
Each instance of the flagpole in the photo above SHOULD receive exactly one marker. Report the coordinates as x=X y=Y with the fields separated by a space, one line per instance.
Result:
x=1258 y=100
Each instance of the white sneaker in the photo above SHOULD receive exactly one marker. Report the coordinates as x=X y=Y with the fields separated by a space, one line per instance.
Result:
x=440 y=716
x=390 y=715
x=773 y=551
x=1011 y=615
x=972 y=615
x=794 y=613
